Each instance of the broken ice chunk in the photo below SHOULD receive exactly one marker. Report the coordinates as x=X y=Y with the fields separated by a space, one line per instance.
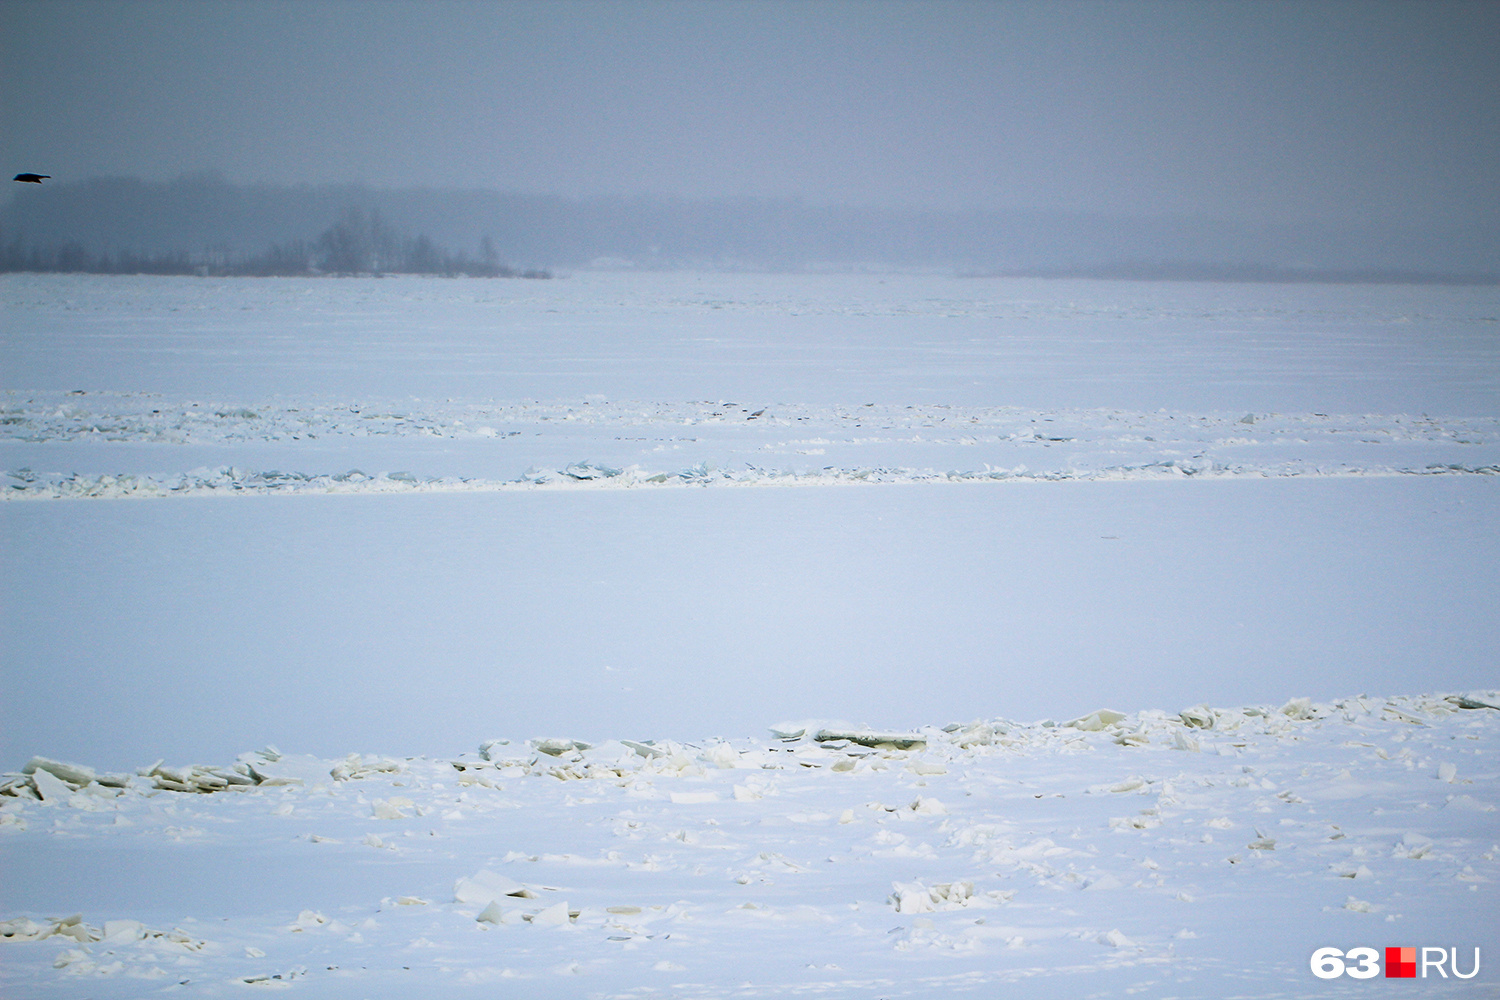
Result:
x=1097 y=721
x=1414 y=846
x=1298 y=708
x=557 y=747
x=389 y=808
x=122 y=931
x=587 y=470
x=1345 y=871
x=870 y=738
x=553 y=916
x=911 y=898
x=50 y=787
x=1198 y=717
x=914 y=897
x=486 y=887
x=74 y=774
x=922 y=768
x=74 y=927
x=487 y=748
x=722 y=755
x=307 y=920
x=22 y=929
x=356 y=766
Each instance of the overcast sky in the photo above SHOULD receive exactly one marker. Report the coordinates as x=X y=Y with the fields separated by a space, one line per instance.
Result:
x=1276 y=110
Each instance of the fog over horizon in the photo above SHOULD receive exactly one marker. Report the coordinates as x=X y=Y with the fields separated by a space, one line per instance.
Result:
x=1324 y=112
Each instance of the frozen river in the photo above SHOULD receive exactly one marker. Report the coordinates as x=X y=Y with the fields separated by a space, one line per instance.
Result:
x=403 y=516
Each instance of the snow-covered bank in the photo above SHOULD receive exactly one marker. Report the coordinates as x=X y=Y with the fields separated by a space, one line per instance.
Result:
x=1201 y=853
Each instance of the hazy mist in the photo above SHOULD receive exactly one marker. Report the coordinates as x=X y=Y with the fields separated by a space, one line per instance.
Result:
x=1250 y=112
x=203 y=223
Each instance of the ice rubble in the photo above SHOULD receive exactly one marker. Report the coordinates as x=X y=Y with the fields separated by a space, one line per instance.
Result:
x=837 y=749
x=25 y=484
x=132 y=417
x=723 y=444
x=966 y=833
x=49 y=780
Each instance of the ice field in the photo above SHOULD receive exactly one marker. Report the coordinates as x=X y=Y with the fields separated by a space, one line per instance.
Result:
x=687 y=635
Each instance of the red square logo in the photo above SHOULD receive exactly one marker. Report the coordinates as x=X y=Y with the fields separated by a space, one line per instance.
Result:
x=1401 y=963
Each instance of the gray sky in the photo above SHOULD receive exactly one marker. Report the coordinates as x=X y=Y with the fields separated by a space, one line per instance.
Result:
x=1282 y=111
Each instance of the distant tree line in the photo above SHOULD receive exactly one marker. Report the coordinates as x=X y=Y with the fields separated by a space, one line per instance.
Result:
x=116 y=224
x=358 y=243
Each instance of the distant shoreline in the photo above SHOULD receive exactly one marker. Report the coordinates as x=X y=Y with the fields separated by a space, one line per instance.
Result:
x=1243 y=273
x=126 y=224
x=1183 y=273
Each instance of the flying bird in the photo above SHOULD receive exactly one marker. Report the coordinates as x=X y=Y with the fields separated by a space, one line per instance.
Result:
x=30 y=178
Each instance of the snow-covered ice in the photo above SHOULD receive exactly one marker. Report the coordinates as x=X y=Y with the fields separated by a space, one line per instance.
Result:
x=194 y=385
x=1196 y=854
x=665 y=635
x=195 y=627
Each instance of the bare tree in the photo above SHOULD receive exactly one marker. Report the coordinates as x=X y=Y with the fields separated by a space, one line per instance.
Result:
x=358 y=243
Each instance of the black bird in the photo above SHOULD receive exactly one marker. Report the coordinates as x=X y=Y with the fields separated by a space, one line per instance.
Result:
x=31 y=178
